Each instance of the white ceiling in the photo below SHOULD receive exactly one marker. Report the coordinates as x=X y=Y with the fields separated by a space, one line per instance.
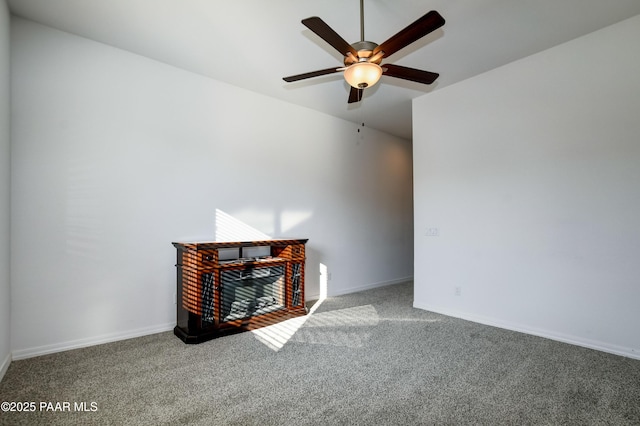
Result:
x=254 y=43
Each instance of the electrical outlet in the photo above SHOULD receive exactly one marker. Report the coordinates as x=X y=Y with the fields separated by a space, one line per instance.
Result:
x=458 y=291
x=175 y=299
x=432 y=232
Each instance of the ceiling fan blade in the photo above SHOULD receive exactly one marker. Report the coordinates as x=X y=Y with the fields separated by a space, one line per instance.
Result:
x=355 y=95
x=311 y=74
x=406 y=73
x=325 y=32
x=420 y=28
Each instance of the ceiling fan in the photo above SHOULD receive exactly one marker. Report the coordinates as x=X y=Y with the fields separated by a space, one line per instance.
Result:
x=362 y=59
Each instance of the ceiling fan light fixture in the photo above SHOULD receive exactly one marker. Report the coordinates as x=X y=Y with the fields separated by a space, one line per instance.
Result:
x=362 y=74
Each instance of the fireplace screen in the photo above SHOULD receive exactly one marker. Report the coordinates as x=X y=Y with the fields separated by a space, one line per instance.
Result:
x=253 y=291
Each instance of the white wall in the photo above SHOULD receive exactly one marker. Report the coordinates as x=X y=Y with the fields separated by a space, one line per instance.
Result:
x=5 y=193
x=531 y=173
x=115 y=156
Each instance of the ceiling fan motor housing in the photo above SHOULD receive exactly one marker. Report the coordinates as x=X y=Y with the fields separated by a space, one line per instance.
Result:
x=365 y=50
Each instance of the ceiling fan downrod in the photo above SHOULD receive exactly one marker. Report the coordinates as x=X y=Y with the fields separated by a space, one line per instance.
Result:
x=361 y=20
x=364 y=48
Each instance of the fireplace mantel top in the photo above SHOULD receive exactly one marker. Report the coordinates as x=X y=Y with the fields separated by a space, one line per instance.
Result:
x=204 y=245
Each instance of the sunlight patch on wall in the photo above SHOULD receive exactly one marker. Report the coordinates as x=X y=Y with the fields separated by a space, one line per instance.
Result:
x=289 y=219
x=264 y=224
x=228 y=228
x=324 y=278
x=263 y=219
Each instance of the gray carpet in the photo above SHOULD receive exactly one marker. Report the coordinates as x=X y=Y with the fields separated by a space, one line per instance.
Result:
x=361 y=359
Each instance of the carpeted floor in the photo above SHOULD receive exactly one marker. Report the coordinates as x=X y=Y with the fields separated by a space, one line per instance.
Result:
x=362 y=359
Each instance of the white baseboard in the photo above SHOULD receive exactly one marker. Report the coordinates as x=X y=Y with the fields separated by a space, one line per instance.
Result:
x=548 y=334
x=4 y=366
x=90 y=341
x=368 y=286
x=113 y=337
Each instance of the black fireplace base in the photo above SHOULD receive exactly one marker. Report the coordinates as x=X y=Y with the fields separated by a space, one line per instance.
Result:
x=199 y=335
x=204 y=336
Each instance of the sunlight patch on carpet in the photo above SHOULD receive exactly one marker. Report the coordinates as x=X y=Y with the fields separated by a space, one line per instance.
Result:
x=359 y=316
x=327 y=328
x=411 y=319
x=277 y=335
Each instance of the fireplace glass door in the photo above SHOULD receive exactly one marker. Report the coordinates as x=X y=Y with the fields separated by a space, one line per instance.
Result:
x=251 y=291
